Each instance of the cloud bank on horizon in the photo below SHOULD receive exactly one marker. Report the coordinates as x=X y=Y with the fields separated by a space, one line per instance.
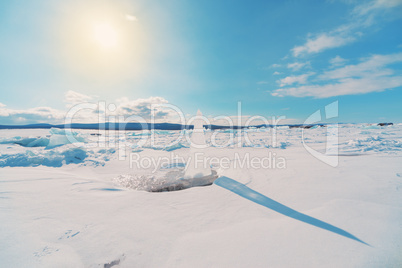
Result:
x=90 y=109
x=120 y=107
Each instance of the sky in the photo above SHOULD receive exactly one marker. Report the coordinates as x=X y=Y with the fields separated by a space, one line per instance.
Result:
x=277 y=58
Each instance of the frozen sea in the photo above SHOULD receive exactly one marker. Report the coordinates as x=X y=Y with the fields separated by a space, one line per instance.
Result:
x=90 y=203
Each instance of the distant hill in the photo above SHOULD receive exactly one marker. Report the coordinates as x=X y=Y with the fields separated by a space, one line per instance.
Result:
x=136 y=126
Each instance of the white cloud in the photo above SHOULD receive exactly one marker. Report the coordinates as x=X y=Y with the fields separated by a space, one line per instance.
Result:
x=275 y=65
x=371 y=6
x=296 y=66
x=277 y=73
x=370 y=75
x=321 y=42
x=373 y=66
x=123 y=107
x=290 y=80
x=145 y=107
x=350 y=86
x=29 y=116
x=337 y=61
x=72 y=97
x=363 y=16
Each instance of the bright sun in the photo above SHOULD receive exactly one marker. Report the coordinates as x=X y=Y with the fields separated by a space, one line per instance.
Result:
x=102 y=42
x=105 y=35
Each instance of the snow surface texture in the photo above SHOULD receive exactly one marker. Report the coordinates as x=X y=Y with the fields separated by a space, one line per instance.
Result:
x=260 y=199
x=93 y=210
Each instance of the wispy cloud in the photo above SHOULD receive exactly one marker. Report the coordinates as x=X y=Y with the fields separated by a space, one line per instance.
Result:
x=370 y=75
x=362 y=16
x=322 y=42
x=296 y=66
x=369 y=7
x=276 y=73
x=337 y=61
x=372 y=66
x=293 y=79
x=72 y=97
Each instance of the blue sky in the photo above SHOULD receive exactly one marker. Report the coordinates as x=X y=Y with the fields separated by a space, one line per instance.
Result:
x=278 y=58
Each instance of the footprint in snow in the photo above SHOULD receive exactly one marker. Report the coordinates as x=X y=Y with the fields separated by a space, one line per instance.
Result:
x=45 y=251
x=69 y=234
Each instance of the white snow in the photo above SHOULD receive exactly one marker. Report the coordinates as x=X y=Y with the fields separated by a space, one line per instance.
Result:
x=75 y=205
x=197 y=146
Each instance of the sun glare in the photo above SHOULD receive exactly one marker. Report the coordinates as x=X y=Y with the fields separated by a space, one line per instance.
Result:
x=105 y=35
x=102 y=43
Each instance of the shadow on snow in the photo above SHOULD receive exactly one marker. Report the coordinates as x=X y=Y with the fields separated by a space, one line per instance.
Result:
x=265 y=201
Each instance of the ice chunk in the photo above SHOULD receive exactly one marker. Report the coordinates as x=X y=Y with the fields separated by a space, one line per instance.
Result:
x=59 y=131
x=27 y=142
x=171 y=181
x=194 y=168
x=163 y=132
x=175 y=146
x=49 y=158
x=74 y=155
x=373 y=143
x=39 y=142
x=62 y=137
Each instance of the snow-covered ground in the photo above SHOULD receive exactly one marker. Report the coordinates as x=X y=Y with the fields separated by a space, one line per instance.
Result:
x=82 y=205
